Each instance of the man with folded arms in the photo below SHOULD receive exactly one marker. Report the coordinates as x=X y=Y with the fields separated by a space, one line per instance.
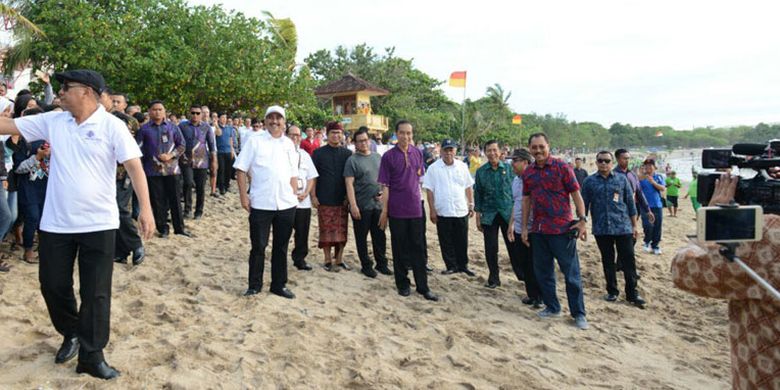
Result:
x=271 y=160
x=80 y=215
x=451 y=202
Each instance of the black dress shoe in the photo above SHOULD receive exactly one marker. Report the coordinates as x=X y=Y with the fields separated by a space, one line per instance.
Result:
x=251 y=291
x=468 y=272
x=492 y=284
x=430 y=296
x=183 y=233
x=638 y=302
x=303 y=267
x=527 y=301
x=368 y=272
x=448 y=272
x=284 y=293
x=198 y=216
x=163 y=234
x=138 y=255
x=404 y=292
x=428 y=269
x=610 y=297
x=538 y=304
x=384 y=270
x=68 y=349
x=120 y=260
x=100 y=370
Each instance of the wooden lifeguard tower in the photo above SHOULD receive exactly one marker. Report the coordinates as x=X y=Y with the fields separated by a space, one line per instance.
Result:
x=351 y=101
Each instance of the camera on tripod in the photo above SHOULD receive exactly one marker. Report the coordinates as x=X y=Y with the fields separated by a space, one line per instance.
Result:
x=762 y=190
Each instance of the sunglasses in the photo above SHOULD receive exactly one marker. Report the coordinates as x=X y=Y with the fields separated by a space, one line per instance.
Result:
x=195 y=113
x=603 y=161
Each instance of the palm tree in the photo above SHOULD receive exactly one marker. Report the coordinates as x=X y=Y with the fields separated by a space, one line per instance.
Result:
x=25 y=33
x=284 y=31
x=495 y=95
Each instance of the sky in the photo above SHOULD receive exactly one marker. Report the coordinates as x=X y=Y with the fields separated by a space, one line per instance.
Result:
x=682 y=63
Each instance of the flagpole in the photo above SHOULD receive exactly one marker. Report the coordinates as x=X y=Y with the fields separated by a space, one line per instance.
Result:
x=463 y=119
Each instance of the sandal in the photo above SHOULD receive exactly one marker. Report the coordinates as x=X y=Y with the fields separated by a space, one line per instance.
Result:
x=31 y=258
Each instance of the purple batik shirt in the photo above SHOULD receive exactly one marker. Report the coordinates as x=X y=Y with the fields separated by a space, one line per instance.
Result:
x=401 y=174
x=641 y=201
x=155 y=140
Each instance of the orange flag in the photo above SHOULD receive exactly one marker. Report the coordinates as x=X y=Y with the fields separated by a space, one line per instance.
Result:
x=517 y=120
x=458 y=79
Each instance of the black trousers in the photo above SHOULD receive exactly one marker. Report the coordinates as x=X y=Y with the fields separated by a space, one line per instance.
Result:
x=369 y=222
x=194 y=178
x=490 y=235
x=406 y=238
x=91 y=321
x=625 y=254
x=301 y=226
x=165 y=194
x=453 y=235
x=224 y=170
x=127 y=238
x=424 y=222
x=522 y=260
x=260 y=224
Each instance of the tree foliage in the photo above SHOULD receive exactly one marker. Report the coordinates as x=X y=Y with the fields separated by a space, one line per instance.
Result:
x=168 y=50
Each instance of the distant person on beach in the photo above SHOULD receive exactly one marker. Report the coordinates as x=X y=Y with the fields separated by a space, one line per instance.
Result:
x=307 y=176
x=330 y=197
x=399 y=173
x=80 y=214
x=226 y=152
x=549 y=186
x=493 y=206
x=579 y=172
x=673 y=185
x=364 y=194
x=693 y=188
x=162 y=144
x=271 y=160
x=609 y=199
x=653 y=185
x=522 y=255
x=448 y=185
x=474 y=161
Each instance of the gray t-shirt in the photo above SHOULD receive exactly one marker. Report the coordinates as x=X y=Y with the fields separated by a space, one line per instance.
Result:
x=365 y=170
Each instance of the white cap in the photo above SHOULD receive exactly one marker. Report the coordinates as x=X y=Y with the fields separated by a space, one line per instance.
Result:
x=277 y=109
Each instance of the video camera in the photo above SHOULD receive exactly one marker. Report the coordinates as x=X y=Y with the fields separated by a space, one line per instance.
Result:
x=762 y=190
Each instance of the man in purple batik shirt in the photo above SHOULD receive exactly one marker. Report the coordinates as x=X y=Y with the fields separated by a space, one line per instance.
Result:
x=399 y=174
x=161 y=143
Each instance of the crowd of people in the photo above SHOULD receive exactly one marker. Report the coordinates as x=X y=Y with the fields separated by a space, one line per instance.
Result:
x=137 y=171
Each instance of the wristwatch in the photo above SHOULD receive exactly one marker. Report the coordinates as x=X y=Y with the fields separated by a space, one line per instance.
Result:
x=583 y=218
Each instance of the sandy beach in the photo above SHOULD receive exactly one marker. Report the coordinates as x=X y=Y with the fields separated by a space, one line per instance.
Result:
x=179 y=322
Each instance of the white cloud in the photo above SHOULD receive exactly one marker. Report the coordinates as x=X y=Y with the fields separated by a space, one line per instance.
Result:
x=680 y=63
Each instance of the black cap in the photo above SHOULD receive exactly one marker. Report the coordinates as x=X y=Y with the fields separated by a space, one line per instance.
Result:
x=84 y=76
x=448 y=143
x=522 y=154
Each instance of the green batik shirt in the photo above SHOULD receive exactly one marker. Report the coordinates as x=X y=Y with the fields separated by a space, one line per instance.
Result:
x=493 y=192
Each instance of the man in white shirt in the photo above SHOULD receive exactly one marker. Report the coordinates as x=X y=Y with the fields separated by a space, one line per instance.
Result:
x=307 y=175
x=451 y=202
x=271 y=160
x=80 y=214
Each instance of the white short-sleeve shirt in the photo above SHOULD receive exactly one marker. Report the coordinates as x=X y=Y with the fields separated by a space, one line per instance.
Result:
x=271 y=163
x=81 y=192
x=448 y=184
x=306 y=172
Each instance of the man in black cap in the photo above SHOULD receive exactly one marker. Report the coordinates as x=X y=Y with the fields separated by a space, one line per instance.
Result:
x=80 y=214
x=448 y=184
